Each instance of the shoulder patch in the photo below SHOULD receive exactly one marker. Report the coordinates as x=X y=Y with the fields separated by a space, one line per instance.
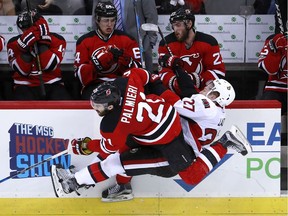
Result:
x=87 y=35
x=58 y=36
x=205 y=103
x=202 y=37
x=13 y=39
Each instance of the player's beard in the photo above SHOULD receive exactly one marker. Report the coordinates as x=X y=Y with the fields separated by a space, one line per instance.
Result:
x=104 y=112
x=182 y=36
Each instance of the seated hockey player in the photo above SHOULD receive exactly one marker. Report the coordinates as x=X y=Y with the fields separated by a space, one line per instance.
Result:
x=170 y=150
x=35 y=56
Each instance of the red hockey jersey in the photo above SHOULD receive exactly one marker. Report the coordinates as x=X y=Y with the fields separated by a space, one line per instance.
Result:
x=2 y=43
x=28 y=73
x=148 y=118
x=275 y=65
x=92 y=42
x=203 y=58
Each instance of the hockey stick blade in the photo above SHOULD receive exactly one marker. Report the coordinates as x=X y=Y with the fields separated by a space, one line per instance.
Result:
x=14 y=174
x=149 y=27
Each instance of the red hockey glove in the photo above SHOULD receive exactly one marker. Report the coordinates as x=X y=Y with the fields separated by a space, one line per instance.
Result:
x=169 y=61
x=102 y=59
x=28 y=38
x=279 y=43
x=126 y=61
x=79 y=146
x=42 y=25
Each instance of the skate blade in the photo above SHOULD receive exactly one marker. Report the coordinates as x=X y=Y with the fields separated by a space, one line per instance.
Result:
x=240 y=136
x=119 y=198
x=55 y=182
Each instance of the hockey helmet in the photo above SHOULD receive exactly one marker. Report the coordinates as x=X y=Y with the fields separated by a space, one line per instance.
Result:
x=182 y=14
x=225 y=90
x=24 y=18
x=105 y=9
x=106 y=93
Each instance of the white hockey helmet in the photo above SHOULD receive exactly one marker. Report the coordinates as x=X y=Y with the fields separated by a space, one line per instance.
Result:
x=225 y=90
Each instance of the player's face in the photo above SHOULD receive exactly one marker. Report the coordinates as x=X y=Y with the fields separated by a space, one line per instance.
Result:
x=101 y=109
x=206 y=89
x=180 y=30
x=106 y=25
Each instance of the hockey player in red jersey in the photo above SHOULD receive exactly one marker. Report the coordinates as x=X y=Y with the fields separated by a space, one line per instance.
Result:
x=152 y=152
x=103 y=54
x=2 y=42
x=200 y=52
x=273 y=61
x=24 y=61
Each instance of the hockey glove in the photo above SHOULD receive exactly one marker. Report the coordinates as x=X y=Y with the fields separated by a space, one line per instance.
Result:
x=126 y=61
x=278 y=43
x=102 y=59
x=169 y=61
x=116 y=52
x=28 y=38
x=42 y=26
x=79 y=146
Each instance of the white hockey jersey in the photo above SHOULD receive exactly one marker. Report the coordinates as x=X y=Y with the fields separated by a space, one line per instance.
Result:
x=201 y=120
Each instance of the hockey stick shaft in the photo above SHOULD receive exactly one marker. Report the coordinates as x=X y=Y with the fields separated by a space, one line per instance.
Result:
x=279 y=17
x=166 y=44
x=156 y=28
x=39 y=67
x=138 y=24
x=34 y=165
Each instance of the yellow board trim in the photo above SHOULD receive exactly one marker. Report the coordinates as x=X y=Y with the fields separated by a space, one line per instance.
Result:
x=145 y=206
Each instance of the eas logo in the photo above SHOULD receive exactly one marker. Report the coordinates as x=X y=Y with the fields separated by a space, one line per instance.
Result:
x=258 y=134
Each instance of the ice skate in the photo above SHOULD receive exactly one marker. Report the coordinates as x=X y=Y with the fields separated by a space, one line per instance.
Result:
x=118 y=192
x=235 y=139
x=63 y=181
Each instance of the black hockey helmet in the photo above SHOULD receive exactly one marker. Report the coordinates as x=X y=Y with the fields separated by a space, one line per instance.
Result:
x=105 y=9
x=24 y=18
x=182 y=14
x=106 y=93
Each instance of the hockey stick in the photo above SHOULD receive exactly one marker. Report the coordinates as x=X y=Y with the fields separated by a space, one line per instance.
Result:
x=279 y=17
x=155 y=28
x=139 y=36
x=42 y=87
x=34 y=165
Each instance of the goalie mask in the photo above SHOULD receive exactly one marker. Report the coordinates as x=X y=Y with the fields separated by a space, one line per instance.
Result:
x=107 y=94
x=225 y=90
